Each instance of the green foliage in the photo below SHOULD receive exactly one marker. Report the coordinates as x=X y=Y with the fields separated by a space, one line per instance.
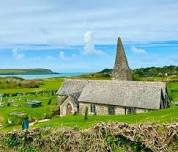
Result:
x=140 y=74
x=49 y=101
x=118 y=142
x=107 y=71
x=27 y=149
x=50 y=85
x=157 y=71
x=13 y=83
x=18 y=142
x=8 y=104
x=12 y=140
x=116 y=137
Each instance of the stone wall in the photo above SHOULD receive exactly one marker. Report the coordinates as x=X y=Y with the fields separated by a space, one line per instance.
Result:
x=141 y=110
x=101 y=109
x=82 y=107
x=120 y=110
x=63 y=106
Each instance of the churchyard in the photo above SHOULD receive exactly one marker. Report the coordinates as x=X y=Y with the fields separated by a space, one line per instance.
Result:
x=46 y=126
x=16 y=104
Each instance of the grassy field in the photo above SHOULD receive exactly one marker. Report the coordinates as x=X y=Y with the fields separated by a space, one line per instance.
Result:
x=173 y=90
x=160 y=116
x=46 y=84
x=20 y=105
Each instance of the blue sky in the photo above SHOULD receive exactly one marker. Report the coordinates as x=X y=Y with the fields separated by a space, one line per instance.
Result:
x=81 y=36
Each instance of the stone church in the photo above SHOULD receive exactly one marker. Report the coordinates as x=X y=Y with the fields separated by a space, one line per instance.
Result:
x=120 y=95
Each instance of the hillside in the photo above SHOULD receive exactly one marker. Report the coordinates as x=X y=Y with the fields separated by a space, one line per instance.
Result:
x=150 y=73
x=25 y=71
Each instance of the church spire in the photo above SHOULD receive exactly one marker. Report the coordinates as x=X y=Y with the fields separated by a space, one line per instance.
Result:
x=121 y=69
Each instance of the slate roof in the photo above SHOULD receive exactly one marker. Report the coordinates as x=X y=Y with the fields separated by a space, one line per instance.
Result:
x=72 y=86
x=138 y=94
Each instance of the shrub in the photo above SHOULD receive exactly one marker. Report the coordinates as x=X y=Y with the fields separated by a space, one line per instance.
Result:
x=49 y=101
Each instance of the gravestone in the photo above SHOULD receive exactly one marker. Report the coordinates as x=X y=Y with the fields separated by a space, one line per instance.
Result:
x=34 y=104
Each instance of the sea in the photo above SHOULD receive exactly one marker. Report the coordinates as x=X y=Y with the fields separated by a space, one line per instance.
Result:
x=43 y=76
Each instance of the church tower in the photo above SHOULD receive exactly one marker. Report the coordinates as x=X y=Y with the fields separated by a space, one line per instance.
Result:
x=121 y=70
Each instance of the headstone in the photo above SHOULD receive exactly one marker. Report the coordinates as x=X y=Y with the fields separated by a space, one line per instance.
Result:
x=34 y=103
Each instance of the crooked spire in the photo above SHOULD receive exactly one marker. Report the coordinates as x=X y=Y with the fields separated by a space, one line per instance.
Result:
x=121 y=69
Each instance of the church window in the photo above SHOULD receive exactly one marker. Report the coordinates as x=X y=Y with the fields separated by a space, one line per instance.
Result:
x=111 y=110
x=131 y=110
x=93 y=108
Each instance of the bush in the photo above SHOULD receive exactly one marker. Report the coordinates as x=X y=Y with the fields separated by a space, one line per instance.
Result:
x=12 y=140
x=49 y=102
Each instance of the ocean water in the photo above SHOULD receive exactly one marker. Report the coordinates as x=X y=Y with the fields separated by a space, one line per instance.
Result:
x=42 y=76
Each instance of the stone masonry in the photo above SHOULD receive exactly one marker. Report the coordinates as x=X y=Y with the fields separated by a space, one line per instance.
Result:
x=121 y=70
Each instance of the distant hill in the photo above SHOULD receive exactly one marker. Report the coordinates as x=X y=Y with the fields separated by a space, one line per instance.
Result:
x=151 y=71
x=157 y=71
x=25 y=71
x=141 y=73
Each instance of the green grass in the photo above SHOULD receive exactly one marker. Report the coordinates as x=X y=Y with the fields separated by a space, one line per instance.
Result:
x=47 y=84
x=21 y=101
x=159 y=116
x=33 y=113
x=173 y=90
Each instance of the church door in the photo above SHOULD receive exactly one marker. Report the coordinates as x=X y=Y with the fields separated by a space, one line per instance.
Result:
x=69 y=109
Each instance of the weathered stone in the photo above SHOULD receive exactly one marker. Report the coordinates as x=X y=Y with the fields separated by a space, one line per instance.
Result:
x=121 y=70
x=64 y=106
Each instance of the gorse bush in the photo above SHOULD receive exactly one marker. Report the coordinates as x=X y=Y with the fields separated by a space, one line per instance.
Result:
x=12 y=140
x=14 y=83
x=112 y=137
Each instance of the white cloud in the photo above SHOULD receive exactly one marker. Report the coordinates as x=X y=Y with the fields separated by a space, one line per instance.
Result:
x=138 y=50
x=60 y=21
x=17 y=55
x=89 y=46
x=63 y=57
